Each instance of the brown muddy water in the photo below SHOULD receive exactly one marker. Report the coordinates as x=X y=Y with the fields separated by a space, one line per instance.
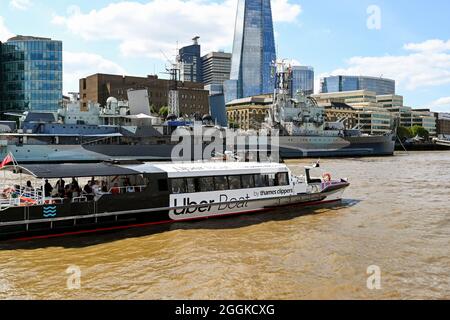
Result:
x=395 y=216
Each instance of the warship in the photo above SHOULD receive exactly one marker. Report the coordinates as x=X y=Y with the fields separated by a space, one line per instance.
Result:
x=300 y=126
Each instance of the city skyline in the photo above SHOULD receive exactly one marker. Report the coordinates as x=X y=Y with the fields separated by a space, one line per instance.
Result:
x=401 y=46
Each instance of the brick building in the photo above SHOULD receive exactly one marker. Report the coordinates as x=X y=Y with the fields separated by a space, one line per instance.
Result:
x=99 y=87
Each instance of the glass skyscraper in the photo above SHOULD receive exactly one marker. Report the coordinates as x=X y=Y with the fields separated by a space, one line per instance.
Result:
x=380 y=86
x=302 y=79
x=31 y=75
x=253 y=51
x=191 y=62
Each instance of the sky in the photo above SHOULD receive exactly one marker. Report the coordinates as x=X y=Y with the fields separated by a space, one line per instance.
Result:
x=408 y=41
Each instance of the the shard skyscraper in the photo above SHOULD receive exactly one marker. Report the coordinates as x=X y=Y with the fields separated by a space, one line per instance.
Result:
x=253 y=51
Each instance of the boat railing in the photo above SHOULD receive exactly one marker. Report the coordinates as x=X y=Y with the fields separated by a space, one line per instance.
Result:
x=127 y=189
x=11 y=196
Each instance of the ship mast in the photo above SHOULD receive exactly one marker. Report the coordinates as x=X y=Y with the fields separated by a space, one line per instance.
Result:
x=281 y=95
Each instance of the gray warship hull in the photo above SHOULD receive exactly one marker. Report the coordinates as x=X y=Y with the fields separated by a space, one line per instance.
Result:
x=290 y=147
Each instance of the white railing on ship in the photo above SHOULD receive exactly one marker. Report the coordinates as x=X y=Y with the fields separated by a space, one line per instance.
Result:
x=14 y=197
x=129 y=189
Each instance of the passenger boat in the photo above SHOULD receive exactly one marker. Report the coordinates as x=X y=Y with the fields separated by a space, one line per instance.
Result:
x=139 y=194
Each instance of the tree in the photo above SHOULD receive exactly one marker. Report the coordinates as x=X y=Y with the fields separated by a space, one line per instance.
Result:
x=420 y=131
x=164 y=112
x=404 y=133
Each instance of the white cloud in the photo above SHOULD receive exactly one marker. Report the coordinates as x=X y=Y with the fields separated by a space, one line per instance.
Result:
x=146 y=29
x=20 y=4
x=283 y=11
x=441 y=105
x=78 y=65
x=5 y=34
x=434 y=45
x=427 y=65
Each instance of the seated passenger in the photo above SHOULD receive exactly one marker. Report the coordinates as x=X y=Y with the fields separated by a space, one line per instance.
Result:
x=68 y=193
x=104 y=188
x=115 y=190
x=96 y=189
x=88 y=188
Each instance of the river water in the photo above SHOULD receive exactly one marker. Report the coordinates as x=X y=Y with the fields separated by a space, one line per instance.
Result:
x=395 y=216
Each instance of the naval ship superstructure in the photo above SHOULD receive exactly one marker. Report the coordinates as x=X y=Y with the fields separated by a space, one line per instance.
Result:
x=301 y=126
x=99 y=134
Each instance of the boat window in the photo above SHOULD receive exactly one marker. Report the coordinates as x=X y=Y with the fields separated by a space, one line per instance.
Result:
x=178 y=186
x=220 y=183
x=163 y=185
x=206 y=184
x=270 y=180
x=234 y=182
x=247 y=182
x=259 y=181
x=191 y=185
x=282 y=179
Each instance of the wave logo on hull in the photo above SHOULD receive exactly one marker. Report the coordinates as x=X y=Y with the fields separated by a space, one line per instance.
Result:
x=49 y=212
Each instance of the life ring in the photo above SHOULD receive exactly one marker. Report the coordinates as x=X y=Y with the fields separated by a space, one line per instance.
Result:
x=327 y=177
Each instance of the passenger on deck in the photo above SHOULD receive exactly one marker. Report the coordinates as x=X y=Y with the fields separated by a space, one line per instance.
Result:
x=88 y=188
x=104 y=188
x=88 y=191
x=96 y=188
x=75 y=184
x=48 y=189
x=60 y=186
x=29 y=187
x=115 y=190
x=68 y=193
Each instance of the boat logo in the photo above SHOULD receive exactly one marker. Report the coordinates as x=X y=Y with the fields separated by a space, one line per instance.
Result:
x=49 y=212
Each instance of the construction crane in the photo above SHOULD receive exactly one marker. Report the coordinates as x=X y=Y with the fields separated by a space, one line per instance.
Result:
x=173 y=97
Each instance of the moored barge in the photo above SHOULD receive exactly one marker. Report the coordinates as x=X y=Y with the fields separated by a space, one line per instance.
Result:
x=123 y=195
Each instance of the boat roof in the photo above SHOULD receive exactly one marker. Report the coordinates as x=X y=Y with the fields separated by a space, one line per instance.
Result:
x=210 y=168
x=56 y=171
x=173 y=170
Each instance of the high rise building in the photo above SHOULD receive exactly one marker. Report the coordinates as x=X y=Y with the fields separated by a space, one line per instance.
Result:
x=380 y=86
x=302 y=79
x=216 y=68
x=31 y=78
x=253 y=51
x=190 y=62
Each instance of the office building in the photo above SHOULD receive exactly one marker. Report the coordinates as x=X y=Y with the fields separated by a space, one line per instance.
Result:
x=31 y=74
x=302 y=80
x=390 y=100
x=366 y=114
x=249 y=113
x=358 y=98
x=380 y=86
x=190 y=62
x=443 y=124
x=216 y=68
x=97 y=88
x=253 y=51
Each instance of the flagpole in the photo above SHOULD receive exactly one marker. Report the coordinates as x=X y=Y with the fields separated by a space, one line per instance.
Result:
x=15 y=163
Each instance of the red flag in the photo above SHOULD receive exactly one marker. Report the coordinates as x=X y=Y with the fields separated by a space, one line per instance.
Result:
x=8 y=159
